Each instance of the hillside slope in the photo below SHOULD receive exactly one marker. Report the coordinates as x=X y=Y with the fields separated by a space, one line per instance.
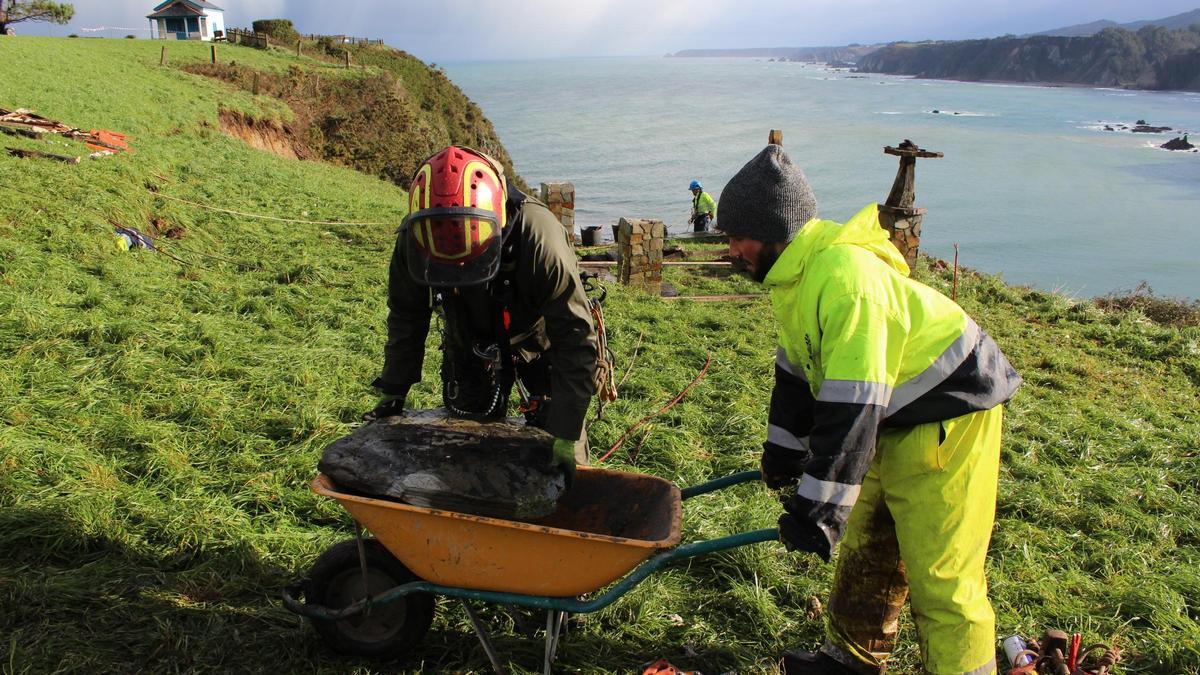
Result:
x=161 y=415
x=1182 y=20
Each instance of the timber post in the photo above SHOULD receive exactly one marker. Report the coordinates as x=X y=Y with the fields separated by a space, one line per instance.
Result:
x=897 y=214
x=162 y=56
x=297 y=48
x=214 y=54
x=775 y=137
x=346 y=52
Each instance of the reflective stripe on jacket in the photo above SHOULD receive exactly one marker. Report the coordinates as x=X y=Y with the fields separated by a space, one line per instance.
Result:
x=863 y=346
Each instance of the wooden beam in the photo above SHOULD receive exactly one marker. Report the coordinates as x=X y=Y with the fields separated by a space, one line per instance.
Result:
x=673 y=263
x=775 y=137
x=910 y=149
x=19 y=152
x=717 y=298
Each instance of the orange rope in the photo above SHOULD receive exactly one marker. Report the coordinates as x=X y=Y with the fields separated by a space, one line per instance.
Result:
x=647 y=418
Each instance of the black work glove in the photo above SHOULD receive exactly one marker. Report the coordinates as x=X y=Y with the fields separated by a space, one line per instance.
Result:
x=799 y=532
x=782 y=467
x=390 y=405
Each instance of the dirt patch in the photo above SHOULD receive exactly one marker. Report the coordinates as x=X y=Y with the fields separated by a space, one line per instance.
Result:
x=262 y=134
x=380 y=123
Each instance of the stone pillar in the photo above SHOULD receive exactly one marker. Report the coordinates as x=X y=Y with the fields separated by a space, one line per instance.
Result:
x=897 y=215
x=904 y=228
x=640 y=249
x=560 y=198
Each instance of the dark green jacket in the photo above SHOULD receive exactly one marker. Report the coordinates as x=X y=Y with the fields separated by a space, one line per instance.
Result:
x=548 y=308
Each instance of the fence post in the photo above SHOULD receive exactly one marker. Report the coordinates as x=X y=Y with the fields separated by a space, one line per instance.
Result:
x=214 y=54
x=162 y=57
x=347 y=53
x=297 y=48
x=255 y=83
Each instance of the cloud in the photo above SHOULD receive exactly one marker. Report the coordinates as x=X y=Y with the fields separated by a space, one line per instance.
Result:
x=462 y=30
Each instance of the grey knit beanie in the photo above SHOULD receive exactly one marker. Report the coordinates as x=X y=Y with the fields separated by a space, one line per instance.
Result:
x=768 y=199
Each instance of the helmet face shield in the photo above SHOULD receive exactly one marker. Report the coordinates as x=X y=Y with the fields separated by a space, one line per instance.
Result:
x=454 y=246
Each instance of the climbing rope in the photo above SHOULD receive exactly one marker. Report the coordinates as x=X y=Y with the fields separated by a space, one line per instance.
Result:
x=264 y=217
x=647 y=418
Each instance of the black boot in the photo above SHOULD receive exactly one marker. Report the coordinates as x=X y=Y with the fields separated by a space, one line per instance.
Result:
x=813 y=663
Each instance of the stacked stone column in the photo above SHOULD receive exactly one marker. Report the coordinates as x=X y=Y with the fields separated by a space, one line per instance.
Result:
x=560 y=198
x=640 y=248
x=904 y=229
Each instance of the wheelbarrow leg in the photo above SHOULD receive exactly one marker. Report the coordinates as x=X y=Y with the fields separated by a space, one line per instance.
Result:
x=555 y=620
x=484 y=639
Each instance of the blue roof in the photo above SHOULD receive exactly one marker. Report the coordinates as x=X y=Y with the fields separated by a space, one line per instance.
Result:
x=196 y=4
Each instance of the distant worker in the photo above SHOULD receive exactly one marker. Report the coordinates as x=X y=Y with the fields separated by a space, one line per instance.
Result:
x=494 y=264
x=886 y=413
x=704 y=209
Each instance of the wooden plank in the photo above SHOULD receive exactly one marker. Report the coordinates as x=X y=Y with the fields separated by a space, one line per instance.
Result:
x=673 y=263
x=18 y=152
x=717 y=298
x=20 y=131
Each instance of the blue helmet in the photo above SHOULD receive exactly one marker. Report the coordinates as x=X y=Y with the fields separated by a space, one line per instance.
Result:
x=695 y=185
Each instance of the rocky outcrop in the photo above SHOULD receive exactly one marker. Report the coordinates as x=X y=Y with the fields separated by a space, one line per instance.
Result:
x=1180 y=143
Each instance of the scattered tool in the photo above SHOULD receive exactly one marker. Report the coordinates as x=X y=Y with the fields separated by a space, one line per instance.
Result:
x=664 y=667
x=1058 y=654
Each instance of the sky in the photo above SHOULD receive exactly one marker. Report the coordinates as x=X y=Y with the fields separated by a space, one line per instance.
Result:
x=446 y=31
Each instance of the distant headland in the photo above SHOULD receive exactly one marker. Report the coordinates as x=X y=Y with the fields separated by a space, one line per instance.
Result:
x=1158 y=54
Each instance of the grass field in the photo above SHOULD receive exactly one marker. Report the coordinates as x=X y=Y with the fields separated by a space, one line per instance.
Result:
x=160 y=417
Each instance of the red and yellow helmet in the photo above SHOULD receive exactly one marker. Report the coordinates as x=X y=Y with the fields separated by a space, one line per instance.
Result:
x=456 y=219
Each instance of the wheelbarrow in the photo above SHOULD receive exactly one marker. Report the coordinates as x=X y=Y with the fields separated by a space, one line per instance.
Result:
x=374 y=597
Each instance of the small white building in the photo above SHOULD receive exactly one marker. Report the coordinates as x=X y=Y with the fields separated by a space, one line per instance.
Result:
x=187 y=20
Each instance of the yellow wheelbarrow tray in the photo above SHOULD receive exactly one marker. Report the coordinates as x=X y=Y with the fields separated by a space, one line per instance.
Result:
x=609 y=525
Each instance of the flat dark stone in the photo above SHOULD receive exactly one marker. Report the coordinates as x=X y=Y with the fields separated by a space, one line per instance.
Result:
x=424 y=458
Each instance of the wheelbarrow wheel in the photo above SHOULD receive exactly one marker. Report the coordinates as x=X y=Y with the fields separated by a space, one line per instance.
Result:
x=383 y=631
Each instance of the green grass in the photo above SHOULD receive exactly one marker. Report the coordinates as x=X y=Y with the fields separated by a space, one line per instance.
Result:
x=159 y=420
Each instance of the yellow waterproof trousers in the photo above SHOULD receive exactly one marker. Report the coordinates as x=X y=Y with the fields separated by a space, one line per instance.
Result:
x=921 y=526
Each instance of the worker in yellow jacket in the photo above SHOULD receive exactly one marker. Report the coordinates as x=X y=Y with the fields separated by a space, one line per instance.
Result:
x=886 y=414
x=704 y=209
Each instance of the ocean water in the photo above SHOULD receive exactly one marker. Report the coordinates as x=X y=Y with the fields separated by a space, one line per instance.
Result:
x=1030 y=187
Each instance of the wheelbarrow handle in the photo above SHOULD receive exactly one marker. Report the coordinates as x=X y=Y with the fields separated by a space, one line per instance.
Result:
x=291 y=600
x=720 y=483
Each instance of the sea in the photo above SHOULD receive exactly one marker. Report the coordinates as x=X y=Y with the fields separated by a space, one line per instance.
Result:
x=1031 y=187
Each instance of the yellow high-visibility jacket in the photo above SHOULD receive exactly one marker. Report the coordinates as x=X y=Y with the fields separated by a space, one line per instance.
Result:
x=703 y=203
x=863 y=346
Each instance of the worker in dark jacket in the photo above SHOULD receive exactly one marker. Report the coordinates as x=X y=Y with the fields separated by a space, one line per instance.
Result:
x=497 y=266
x=886 y=415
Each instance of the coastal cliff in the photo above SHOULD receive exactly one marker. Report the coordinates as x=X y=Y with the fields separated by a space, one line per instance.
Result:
x=1151 y=58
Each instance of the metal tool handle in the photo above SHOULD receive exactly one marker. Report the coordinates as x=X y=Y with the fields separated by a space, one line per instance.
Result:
x=720 y=483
